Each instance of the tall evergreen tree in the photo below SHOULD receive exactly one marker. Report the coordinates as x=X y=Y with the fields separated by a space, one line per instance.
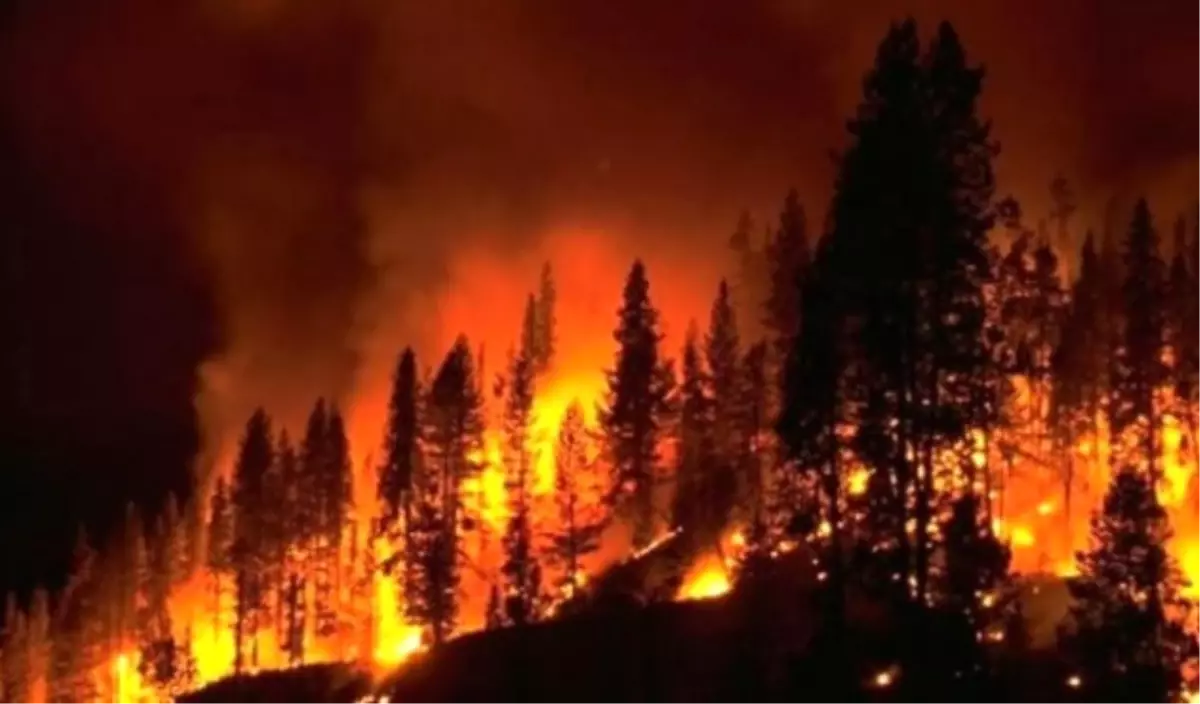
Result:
x=334 y=494
x=1128 y=616
x=254 y=461
x=278 y=523
x=520 y=569
x=453 y=438
x=577 y=490
x=1184 y=326
x=1138 y=367
x=788 y=257
x=400 y=444
x=637 y=399
x=547 y=321
x=697 y=506
x=220 y=547
x=754 y=451
x=722 y=355
x=910 y=216
x=1080 y=367
x=749 y=289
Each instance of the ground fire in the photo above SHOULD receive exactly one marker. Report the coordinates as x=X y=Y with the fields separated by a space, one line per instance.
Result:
x=979 y=425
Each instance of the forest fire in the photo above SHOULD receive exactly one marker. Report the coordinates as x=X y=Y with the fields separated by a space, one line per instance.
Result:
x=929 y=415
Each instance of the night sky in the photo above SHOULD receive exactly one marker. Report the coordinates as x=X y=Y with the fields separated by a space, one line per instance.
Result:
x=186 y=180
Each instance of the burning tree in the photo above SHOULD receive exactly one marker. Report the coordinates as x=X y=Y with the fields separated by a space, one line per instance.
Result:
x=522 y=575
x=1128 y=629
x=635 y=410
x=700 y=502
x=545 y=321
x=401 y=444
x=576 y=490
x=725 y=388
x=255 y=458
x=1080 y=367
x=76 y=653
x=1135 y=415
x=220 y=546
x=452 y=436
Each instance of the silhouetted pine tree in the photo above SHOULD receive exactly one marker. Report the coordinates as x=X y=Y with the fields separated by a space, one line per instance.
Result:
x=453 y=438
x=1135 y=416
x=814 y=411
x=1184 y=325
x=220 y=548
x=910 y=216
x=520 y=570
x=754 y=454
x=1080 y=369
x=255 y=457
x=749 y=283
x=1128 y=616
x=577 y=493
x=546 y=321
x=400 y=443
x=278 y=523
x=333 y=486
x=638 y=398
x=788 y=257
x=723 y=358
x=697 y=507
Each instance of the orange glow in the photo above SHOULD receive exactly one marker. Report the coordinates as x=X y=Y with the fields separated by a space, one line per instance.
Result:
x=1029 y=508
x=707 y=580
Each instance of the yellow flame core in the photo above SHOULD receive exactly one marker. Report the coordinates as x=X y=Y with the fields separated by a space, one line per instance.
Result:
x=708 y=581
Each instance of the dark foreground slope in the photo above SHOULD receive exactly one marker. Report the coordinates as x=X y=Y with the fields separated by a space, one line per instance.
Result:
x=739 y=648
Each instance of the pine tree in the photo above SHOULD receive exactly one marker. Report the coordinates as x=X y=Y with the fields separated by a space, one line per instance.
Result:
x=254 y=461
x=453 y=437
x=1184 y=326
x=815 y=410
x=637 y=399
x=1138 y=369
x=333 y=486
x=1129 y=635
x=697 y=507
x=910 y=216
x=788 y=257
x=521 y=591
x=277 y=523
x=722 y=357
x=546 y=320
x=401 y=443
x=220 y=547
x=748 y=284
x=754 y=451
x=1080 y=369
x=577 y=491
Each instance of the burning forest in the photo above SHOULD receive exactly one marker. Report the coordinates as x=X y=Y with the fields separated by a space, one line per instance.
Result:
x=969 y=418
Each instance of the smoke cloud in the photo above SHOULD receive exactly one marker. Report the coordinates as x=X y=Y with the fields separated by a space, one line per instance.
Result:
x=354 y=176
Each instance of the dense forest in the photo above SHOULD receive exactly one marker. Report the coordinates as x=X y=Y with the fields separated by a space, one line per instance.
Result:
x=916 y=394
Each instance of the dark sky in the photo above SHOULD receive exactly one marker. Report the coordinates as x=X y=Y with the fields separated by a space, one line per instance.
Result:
x=240 y=179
